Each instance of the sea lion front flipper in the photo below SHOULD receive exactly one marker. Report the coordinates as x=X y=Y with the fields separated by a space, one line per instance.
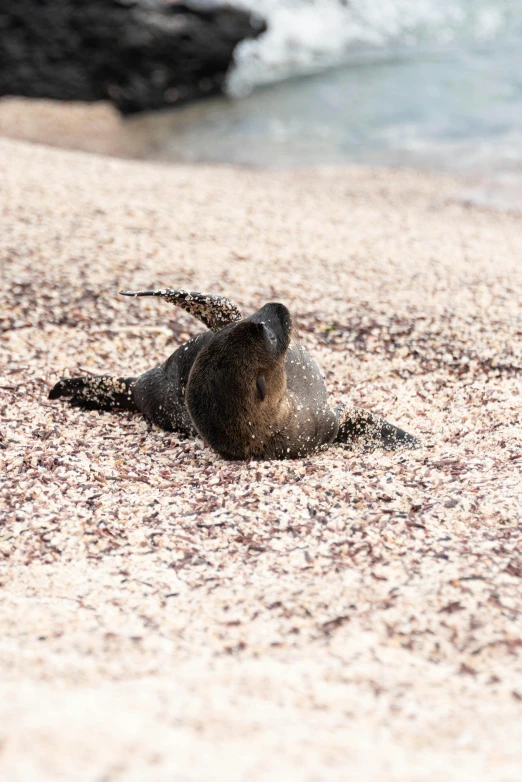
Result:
x=362 y=428
x=215 y=312
x=97 y=392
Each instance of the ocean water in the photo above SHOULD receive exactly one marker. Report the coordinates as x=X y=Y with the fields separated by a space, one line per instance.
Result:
x=420 y=83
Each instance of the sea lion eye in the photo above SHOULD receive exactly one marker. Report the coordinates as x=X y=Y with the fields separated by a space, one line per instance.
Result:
x=261 y=386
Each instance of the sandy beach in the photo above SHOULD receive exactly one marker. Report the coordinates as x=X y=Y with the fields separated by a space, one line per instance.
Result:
x=167 y=615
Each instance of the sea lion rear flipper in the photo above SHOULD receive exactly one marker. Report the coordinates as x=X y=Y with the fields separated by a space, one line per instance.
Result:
x=215 y=312
x=360 y=427
x=97 y=392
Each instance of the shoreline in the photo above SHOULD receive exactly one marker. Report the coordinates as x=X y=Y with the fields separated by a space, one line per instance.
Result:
x=348 y=614
x=99 y=129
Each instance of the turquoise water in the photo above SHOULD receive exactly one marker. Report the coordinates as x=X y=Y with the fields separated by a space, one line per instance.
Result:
x=440 y=109
x=429 y=96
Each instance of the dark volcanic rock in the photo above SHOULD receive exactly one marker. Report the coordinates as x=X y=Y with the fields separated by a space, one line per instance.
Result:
x=139 y=55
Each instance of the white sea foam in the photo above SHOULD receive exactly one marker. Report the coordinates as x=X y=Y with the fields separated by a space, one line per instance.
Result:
x=304 y=36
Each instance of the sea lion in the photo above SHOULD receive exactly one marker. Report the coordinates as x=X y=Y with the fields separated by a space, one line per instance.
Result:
x=245 y=386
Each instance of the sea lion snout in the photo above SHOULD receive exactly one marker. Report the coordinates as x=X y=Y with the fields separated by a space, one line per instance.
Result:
x=277 y=321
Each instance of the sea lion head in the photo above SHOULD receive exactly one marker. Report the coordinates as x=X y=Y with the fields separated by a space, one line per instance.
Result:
x=236 y=390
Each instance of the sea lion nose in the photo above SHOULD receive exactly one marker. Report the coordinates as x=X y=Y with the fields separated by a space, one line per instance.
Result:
x=274 y=315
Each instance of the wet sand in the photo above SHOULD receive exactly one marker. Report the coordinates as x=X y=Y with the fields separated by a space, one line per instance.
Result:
x=167 y=615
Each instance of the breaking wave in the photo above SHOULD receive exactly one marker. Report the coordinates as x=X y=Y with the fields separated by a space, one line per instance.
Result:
x=305 y=36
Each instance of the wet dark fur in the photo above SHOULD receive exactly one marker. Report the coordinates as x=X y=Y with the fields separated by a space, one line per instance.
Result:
x=246 y=388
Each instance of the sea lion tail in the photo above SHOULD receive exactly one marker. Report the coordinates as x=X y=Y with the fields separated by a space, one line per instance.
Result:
x=361 y=428
x=101 y=392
